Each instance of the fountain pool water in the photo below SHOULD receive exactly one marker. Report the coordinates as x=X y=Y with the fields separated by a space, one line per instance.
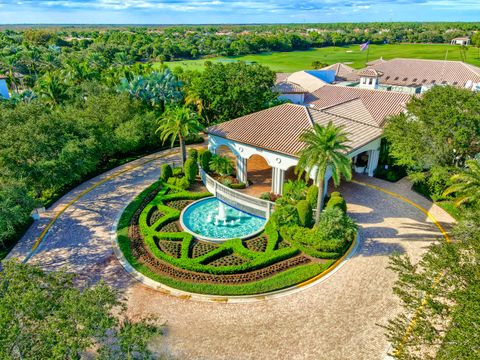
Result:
x=211 y=219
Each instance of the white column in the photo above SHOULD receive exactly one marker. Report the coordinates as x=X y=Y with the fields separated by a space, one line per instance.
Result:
x=278 y=176
x=242 y=169
x=373 y=161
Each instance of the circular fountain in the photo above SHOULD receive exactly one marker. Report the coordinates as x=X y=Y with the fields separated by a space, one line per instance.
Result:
x=212 y=220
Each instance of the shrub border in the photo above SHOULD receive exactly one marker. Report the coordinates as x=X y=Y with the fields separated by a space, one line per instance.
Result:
x=312 y=273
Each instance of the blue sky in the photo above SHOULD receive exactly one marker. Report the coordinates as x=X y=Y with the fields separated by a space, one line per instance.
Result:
x=233 y=11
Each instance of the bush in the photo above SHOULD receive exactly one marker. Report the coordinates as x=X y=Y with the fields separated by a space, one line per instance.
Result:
x=239 y=186
x=305 y=213
x=227 y=182
x=265 y=196
x=165 y=172
x=333 y=235
x=193 y=154
x=337 y=201
x=205 y=158
x=295 y=190
x=312 y=196
x=177 y=172
x=190 y=170
x=221 y=165
x=285 y=215
x=181 y=183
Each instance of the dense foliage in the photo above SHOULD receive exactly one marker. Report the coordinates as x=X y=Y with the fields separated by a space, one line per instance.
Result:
x=227 y=91
x=441 y=293
x=139 y=44
x=43 y=316
x=436 y=137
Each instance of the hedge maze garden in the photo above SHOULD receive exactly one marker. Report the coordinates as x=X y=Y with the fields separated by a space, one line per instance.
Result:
x=151 y=238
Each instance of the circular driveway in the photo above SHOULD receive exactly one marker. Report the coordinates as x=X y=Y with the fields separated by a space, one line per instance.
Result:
x=336 y=319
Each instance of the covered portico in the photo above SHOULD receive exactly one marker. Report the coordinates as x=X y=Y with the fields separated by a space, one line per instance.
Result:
x=281 y=165
x=271 y=138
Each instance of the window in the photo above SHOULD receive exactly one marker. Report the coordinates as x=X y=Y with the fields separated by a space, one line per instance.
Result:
x=396 y=78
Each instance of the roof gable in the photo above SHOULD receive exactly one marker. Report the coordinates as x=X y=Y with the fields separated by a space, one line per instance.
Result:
x=379 y=104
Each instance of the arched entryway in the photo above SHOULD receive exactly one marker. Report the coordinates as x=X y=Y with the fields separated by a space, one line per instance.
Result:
x=225 y=151
x=259 y=175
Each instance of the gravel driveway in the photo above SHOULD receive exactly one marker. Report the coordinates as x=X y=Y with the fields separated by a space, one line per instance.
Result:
x=336 y=319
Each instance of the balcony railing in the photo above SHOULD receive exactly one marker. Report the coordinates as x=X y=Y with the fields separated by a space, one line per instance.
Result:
x=236 y=199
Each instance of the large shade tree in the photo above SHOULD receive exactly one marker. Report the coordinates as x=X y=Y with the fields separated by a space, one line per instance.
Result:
x=226 y=91
x=177 y=123
x=324 y=147
x=441 y=128
x=45 y=316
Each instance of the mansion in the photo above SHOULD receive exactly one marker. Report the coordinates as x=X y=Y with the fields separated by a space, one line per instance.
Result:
x=360 y=101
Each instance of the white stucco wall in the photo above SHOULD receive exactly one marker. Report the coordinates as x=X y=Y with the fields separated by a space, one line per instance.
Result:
x=284 y=162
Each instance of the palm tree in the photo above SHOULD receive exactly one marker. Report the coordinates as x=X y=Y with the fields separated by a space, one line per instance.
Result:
x=324 y=147
x=178 y=122
x=221 y=165
x=52 y=88
x=466 y=185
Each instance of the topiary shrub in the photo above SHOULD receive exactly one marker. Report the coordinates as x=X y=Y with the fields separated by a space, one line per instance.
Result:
x=190 y=169
x=337 y=201
x=181 y=183
x=205 y=158
x=193 y=154
x=305 y=213
x=177 y=171
x=286 y=215
x=312 y=195
x=165 y=172
x=239 y=186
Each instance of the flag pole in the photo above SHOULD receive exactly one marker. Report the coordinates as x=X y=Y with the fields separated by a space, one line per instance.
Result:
x=368 y=50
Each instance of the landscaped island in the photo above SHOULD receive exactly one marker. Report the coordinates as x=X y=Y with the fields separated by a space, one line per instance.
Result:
x=287 y=252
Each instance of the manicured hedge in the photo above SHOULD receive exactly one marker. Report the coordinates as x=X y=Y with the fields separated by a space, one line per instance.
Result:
x=165 y=172
x=238 y=186
x=305 y=213
x=337 y=201
x=256 y=260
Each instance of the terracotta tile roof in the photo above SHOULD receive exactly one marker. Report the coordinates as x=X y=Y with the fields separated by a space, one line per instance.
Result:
x=354 y=109
x=343 y=72
x=415 y=72
x=368 y=72
x=375 y=62
x=359 y=134
x=286 y=87
x=306 y=80
x=379 y=104
x=278 y=129
x=280 y=77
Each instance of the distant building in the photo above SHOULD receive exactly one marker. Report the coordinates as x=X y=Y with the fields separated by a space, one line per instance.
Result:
x=3 y=87
x=461 y=41
x=416 y=76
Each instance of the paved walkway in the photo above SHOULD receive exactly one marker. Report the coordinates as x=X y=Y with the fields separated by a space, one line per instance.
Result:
x=337 y=319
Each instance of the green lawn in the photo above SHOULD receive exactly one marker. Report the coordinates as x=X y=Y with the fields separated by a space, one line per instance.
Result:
x=301 y=60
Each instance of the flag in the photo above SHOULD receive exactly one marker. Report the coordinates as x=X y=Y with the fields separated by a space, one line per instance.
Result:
x=364 y=46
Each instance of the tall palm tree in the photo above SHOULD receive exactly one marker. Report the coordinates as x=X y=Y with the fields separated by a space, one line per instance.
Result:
x=466 y=185
x=324 y=147
x=178 y=122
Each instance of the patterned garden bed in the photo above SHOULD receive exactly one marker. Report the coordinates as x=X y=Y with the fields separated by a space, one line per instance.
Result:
x=151 y=239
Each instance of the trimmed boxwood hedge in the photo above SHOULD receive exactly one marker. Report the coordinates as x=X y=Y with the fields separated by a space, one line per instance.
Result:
x=257 y=260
